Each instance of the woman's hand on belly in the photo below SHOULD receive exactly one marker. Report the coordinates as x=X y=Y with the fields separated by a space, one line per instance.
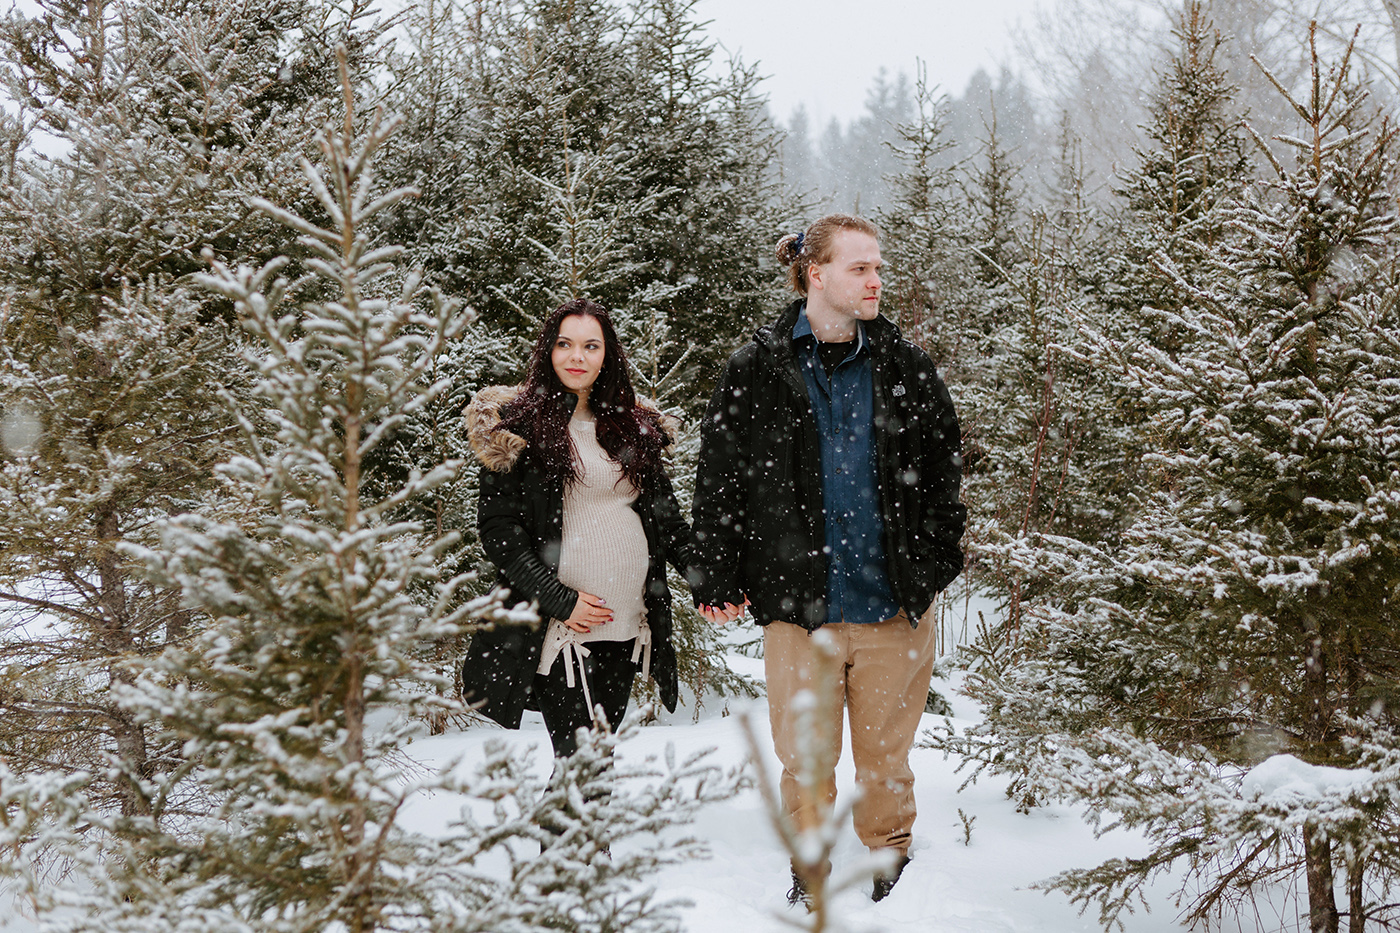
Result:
x=589 y=611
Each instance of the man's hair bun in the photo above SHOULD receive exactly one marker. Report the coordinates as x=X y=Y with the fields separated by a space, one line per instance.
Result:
x=789 y=248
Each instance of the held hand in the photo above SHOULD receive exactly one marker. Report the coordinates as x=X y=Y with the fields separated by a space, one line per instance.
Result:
x=589 y=611
x=718 y=616
x=712 y=615
x=737 y=611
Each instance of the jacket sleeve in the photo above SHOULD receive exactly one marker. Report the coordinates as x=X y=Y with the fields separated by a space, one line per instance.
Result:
x=676 y=535
x=719 y=507
x=944 y=517
x=501 y=521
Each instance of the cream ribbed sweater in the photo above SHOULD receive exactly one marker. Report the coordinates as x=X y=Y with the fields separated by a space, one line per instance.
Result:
x=604 y=548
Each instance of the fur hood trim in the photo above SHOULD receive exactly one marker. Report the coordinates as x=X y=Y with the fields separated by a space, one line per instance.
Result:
x=498 y=450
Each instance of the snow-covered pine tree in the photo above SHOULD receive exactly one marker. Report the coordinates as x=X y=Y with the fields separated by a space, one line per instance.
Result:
x=293 y=705
x=433 y=434
x=310 y=610
x=1174 y=202
x=136 y=132
x=583 y=148
x=1007 y=100
x=715 y=147
x=1042 y=458
x=612 y=161
x=925 y=237
x=146 y=127
x=994 y=196
x=1223 y=677
x=987 y=287
x=520 y=92
x=1174 y=212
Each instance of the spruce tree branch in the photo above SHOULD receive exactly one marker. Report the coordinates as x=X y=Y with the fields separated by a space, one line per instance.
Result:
x=1339 y=84
x=287 y=218
x=53 y=607
x=1207 y=902
x=1297 y=107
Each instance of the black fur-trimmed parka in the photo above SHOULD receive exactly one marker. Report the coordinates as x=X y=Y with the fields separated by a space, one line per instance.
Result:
x=520 y=518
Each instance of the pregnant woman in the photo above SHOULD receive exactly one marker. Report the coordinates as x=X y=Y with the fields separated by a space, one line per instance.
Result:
x=578 y=515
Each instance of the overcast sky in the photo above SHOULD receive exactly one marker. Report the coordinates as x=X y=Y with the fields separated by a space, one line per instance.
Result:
x=825 y=53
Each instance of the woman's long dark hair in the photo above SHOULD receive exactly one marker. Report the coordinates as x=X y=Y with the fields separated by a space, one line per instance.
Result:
x=630 y=435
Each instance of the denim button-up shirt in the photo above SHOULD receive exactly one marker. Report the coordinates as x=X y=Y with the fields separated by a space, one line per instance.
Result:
x=858 y=586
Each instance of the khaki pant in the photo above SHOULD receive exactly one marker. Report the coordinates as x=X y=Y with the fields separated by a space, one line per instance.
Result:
x=881 y=675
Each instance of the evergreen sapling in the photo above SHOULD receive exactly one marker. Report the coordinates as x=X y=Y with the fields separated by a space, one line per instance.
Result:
x=294 y=705
x=1222 y=677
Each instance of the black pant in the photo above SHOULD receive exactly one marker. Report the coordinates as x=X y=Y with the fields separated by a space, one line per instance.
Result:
x=610 y=671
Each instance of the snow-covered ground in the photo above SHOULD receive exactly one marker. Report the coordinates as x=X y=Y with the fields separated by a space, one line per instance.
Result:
x=949 y=886
x=982 y=885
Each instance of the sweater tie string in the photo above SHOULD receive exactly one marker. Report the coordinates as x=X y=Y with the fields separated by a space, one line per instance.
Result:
x=642 y=648
x=574 y=652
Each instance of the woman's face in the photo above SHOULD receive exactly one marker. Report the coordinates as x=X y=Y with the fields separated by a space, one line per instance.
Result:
x=578 y=353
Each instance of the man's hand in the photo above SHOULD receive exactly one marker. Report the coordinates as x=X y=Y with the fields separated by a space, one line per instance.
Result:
x=589 y=611
x=717 y=616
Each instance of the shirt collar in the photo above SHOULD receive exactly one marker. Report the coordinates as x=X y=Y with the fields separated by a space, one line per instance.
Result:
x=803 y=328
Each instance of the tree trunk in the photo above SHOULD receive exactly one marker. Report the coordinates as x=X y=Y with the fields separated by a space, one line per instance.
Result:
x=1356 y=918
x=131 y=750
x=1392 y=10
x=111 y=578
x=117 y=642
x=1322 y=901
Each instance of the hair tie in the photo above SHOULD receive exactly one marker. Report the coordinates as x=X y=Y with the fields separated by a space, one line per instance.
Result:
x=797 y=243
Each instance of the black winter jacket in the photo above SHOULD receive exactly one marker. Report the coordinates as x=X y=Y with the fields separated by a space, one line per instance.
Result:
x=758 y=511
x=520 y=518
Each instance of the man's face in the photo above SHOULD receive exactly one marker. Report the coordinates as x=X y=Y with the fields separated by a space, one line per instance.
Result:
x=850 y=282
